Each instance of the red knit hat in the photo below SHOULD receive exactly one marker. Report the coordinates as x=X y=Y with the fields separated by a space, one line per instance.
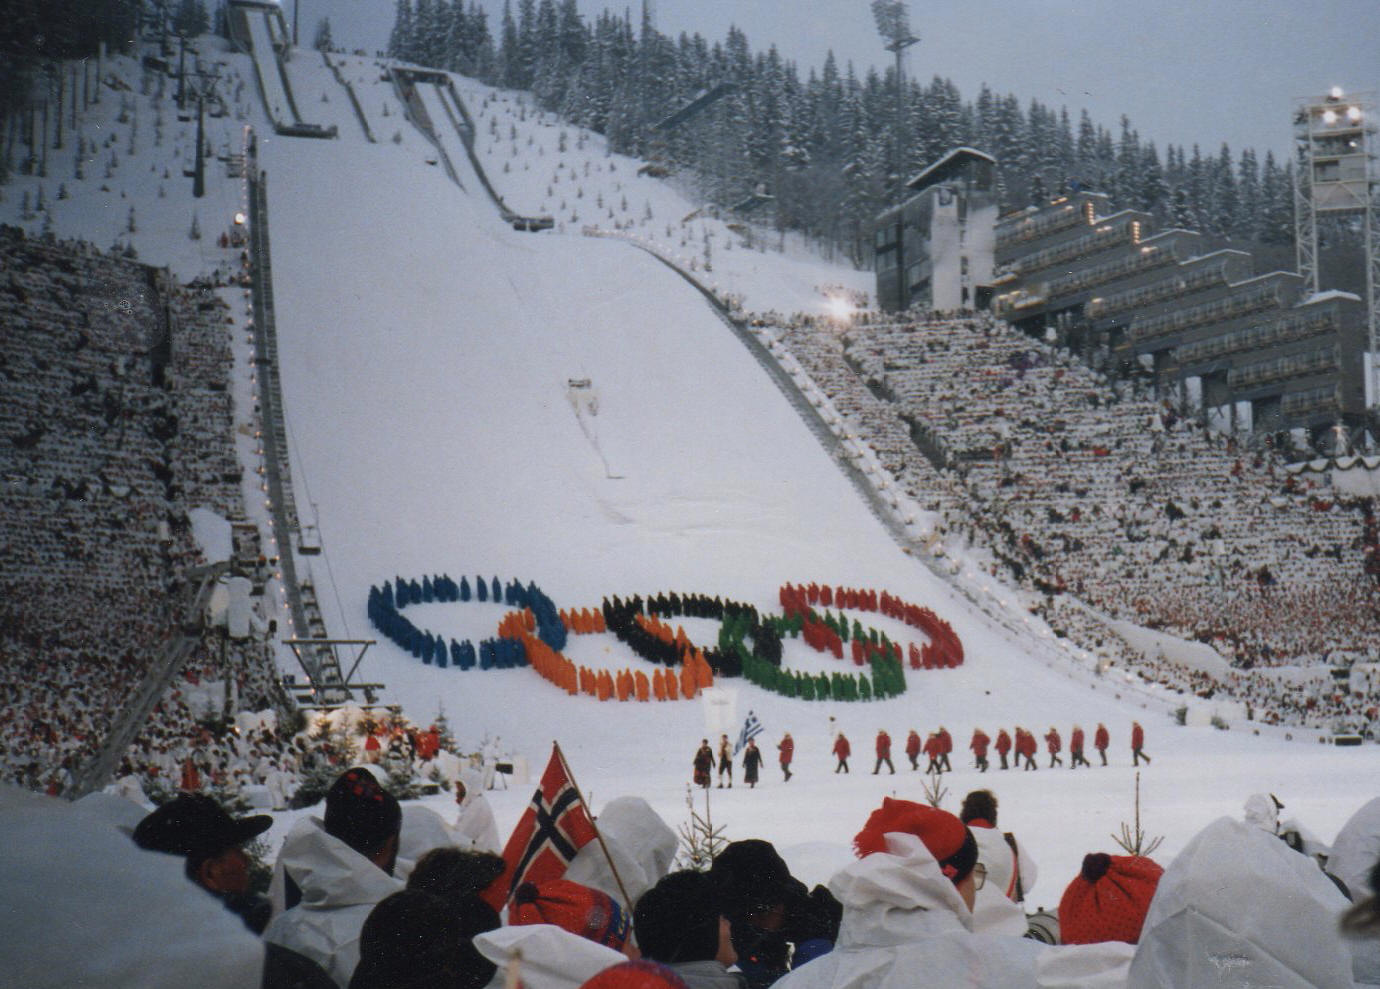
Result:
x=641 y=974
x=592 y=914
x=947 y=838
x=1108 y=900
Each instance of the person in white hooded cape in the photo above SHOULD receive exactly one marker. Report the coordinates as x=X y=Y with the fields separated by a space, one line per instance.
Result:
x=1239 y=908
x=339 y=887
x=905 y=924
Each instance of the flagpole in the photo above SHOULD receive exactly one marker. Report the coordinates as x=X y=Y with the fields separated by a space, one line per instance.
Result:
x=603 y=847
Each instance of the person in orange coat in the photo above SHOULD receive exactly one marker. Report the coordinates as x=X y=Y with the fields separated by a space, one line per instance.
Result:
x=979 y=746
x=842 y=750
x=1076 y=757
x=913 y=748
x=785 y=753
x=641 y=686
x=1053 y=743
x=883 y=753
x=1003 y=746
x=1101 y=739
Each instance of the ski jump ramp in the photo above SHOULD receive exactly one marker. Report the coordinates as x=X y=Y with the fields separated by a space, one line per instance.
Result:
x=436 y=108
x=259 y=29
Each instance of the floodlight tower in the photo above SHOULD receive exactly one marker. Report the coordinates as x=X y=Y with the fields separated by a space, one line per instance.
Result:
x=1336 y=178
x=893 y=24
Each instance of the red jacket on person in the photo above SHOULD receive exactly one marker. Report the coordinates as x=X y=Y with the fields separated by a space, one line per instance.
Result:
x=883 y=745
x=1003 y=742
x=841 y=747
x=912 y=744
x=946 y=741
x=1101 y=739
x=1053 y=742
x=979 y=743
x=1137 y=736
x=1076 y=740
x=786 y=748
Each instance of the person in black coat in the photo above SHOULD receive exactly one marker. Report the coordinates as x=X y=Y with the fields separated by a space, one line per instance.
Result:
x=752 y=762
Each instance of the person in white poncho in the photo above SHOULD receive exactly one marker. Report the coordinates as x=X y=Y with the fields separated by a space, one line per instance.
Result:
x=907 y=912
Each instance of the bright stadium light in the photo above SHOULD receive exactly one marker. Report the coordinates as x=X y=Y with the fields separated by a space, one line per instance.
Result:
x=1353 y=113
x=839 y=308
x=1329 y=116
x=1336 y=92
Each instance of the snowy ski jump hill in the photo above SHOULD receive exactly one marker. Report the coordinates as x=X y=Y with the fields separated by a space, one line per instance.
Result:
x=468 y=399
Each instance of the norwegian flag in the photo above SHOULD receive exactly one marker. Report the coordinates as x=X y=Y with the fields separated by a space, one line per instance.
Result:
x=553 y=828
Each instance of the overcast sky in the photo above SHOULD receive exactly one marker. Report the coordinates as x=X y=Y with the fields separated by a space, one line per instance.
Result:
x=1185 y=71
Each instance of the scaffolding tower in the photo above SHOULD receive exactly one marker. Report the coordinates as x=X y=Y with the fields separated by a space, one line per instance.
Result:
x=1336 y=179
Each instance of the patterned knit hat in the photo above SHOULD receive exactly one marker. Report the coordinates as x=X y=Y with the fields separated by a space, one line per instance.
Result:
x=360 y=812
x=947 y=838
x=593 y=915
x=1108 y=900
x=636 y=975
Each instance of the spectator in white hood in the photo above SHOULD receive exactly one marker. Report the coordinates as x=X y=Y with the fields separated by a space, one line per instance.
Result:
x=335 y=872
x=1237 y=908
x=907 y=912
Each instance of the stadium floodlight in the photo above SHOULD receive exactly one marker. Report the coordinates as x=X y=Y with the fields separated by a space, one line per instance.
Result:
x=893 y=24
x=1353 y=113
x=1329 y=116
x=1336 y=92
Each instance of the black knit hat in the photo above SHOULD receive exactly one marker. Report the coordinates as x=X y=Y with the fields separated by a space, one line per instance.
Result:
x=195 y=825
x=360 y=812
x=677 y=920
x=750 y=875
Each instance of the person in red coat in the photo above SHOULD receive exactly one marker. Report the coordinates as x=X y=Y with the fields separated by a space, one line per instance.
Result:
x=1137 y=744
x=979 y=746
x=946 y=745
x=913 y=748
x=1026 y=748
x=1003 y=746
x=785 y=753
x=842 y=750
x=1076 y=749
x=883 y=753
x=932 y=751
x=1101 y=739
x=1053 y=743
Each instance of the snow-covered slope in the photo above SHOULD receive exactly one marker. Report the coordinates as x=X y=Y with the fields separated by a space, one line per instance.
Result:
x=427 y=351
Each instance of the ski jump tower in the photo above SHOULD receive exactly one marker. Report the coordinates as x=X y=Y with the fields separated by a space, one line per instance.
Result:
x=1337 y=179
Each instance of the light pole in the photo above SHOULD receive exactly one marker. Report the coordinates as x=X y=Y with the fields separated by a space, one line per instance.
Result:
x=893 y=24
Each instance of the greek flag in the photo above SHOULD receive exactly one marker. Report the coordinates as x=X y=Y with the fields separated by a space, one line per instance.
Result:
x=751 y=729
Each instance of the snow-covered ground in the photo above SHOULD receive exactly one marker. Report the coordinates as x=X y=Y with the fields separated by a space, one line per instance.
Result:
x=427 y=351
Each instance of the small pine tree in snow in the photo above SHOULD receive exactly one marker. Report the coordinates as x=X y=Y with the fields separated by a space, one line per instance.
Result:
x=700 y=840
x=561 y=142
x=130 y=225
x=934 y=789
x=162 y=193
x=397 y=137
x=62 y=190
x=623 y=204
x=41 y=203
x=385 y=109
x=25 y=210
x=599 y=200
x=195 y=232
x=580 y=192
x=1135 y=842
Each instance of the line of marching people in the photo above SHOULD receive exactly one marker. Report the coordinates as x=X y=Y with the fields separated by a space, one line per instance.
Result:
x=1016 y=750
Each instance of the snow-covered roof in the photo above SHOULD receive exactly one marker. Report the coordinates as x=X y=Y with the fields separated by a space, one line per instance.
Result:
x=1329 y=295
x=940 y=168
